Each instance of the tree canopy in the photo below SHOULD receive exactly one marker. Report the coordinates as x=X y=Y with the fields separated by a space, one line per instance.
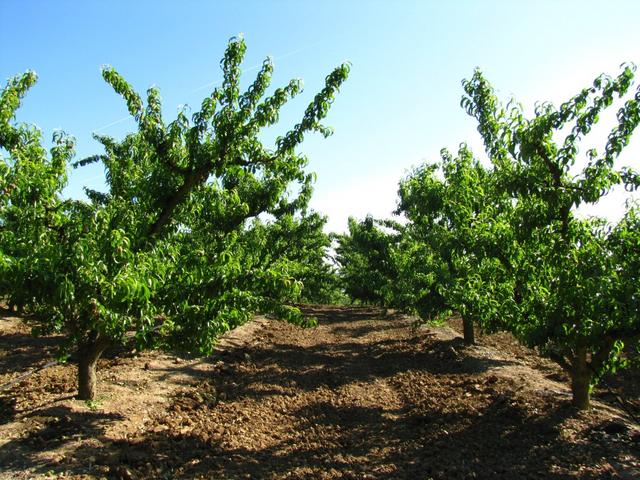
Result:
x=503 y=244
x=166 y=253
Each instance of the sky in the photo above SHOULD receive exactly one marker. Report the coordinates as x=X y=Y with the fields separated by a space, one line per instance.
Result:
x=398 y=109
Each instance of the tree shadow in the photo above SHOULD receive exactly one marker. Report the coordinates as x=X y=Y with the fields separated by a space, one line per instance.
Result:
x=51 y=429
x=623 y=390
x=501 y=441
x=373 y=325
x=498 y=435
x=19 y=350
x=328 y=314
x=7 y=408
x=280 y=366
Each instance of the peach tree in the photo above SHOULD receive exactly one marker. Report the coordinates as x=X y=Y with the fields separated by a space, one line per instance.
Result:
x=575 y=293
x=163 y=256
x=300 y=244
x=31 y=212
x=443 y=250
x=365 y=258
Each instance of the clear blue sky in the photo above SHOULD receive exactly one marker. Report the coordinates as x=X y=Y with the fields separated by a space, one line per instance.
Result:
x=399 y=107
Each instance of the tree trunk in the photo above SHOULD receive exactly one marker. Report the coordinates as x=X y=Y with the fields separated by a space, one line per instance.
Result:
x=469 y=334
x=88 y=354
x=580 y=380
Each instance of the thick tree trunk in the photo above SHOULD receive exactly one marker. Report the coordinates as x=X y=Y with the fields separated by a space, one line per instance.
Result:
x=468 y=331
x=88 y=354
x=580 y=380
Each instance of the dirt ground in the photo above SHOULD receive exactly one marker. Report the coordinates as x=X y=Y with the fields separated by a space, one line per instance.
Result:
x=363 y=396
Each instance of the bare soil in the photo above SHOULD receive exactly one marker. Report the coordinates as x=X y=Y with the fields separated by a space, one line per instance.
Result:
x=365 y=395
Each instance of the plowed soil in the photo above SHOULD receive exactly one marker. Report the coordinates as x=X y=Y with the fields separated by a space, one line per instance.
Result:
x=365 y=395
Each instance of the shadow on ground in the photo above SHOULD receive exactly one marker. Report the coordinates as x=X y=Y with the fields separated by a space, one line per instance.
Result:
x=505 y=444
x=454 y=421
x=56 y=427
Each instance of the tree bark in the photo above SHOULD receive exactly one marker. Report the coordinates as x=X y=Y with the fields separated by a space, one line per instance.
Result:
x=580 y=380
x=468 y=331
x=172 y=202
x=88 y=354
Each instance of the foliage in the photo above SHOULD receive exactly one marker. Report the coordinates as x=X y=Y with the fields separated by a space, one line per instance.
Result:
x=571 y=292
x=301 y=243
x=166 y=251
x=442 y=253
x=504 y=245
x=30 y=211
x=366 y=266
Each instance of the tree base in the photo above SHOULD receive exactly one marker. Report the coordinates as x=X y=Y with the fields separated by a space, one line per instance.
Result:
x=468 y=332
x=87 y=362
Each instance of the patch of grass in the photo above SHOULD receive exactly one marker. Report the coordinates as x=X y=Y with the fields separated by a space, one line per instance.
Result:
x=94 y=405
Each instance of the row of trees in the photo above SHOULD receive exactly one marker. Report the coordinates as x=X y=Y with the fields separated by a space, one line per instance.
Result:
x=201 y=225
x=502 y=245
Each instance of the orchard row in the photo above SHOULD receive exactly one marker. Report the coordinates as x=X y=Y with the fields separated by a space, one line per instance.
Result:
x=199 y=228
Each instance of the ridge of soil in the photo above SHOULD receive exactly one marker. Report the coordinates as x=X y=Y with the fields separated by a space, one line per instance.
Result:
x=362 y=396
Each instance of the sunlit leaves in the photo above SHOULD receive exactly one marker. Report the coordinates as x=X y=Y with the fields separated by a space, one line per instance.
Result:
x=365 y=256
x=570 y=275
x=503 y=245
x=171 y=252
x=454 y=214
